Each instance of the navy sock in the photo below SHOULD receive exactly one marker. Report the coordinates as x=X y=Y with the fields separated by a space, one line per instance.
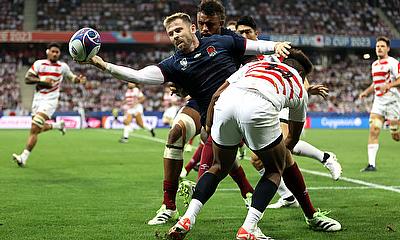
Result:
x=263 y=193
x=206 y=187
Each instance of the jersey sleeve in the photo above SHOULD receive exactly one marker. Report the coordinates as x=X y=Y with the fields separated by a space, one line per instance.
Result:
x=67 y=72
x=395 y=68
x=34 y=68
x=166 y=67
x=298 y=113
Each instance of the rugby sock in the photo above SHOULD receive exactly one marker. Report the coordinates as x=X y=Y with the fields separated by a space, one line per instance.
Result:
x=205 y=187
x=56 y=125
x=239 y=177
x=193 y=209
x=283 y=191
x=191 y=141
x=295 y=182
x=25 y=154
x=170 y=190
x=207 y=157
x=372 y=151
x=195 y=159
x=127 y=129
x=252 y=218
x=264 y=192
x=307 y=150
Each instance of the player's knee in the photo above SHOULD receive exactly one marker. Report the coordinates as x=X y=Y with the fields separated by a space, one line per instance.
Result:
x=37 y=122
x=375 y=124
x=183 y=129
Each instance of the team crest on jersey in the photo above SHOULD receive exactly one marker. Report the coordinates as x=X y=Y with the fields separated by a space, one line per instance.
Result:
x=184 y=64
x=211 y=51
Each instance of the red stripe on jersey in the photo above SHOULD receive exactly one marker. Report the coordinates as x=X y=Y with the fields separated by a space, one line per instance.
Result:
x=379 y=81
x=55 y=74
x=376 y=74
x=295 y=80
x=398 y=67
x=33 y=68
x=279 y=77
x=50 y=90
x=380 y=94
x=262 y=64
x=52 y=64
x=264 y=78
x=383 y=62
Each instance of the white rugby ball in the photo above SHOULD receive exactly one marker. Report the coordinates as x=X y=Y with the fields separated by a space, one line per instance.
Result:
x=84 y=44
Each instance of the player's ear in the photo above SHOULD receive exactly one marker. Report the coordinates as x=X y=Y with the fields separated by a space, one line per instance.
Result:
x=47 y=51
x=193 y=28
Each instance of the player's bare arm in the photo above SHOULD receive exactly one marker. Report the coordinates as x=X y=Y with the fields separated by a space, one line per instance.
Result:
x=316 y=89
x=388 y=86
x=31 y=78
x=295 y=129
x=210 y=110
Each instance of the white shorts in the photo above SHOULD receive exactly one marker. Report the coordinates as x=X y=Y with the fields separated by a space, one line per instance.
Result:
x=389 y=111
x=135 y=110
x=45 y=106
x=257 y=121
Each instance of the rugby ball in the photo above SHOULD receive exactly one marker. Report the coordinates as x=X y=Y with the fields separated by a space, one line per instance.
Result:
x=84 y=44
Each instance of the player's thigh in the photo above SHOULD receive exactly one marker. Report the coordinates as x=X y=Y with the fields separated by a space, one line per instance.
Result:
x=46 y=108
x=186 y=125
x=224 y=158
x=376 y=122
x=225 y=130
x=127 y=117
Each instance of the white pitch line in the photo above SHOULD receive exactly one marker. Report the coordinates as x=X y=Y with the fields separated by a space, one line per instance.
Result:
x=346 y=179
x=313 y=188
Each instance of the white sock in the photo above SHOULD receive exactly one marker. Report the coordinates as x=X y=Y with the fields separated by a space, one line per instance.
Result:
x=307 y=150
x=192 y=210
x=127 y=130
x=372 y=151
x=56 y=125
x=261 y=172
x=25 y=155
x=252 y=218
x=283 y=191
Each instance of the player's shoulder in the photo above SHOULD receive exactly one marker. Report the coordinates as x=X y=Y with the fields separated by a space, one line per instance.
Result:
x=40 y=61
x=392 y=60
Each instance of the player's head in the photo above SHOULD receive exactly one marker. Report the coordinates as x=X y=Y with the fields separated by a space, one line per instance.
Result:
x=231 y=25
x=382 y=47
x=53 y=52
x=210 y=17
x=299 y=61
x=132 y=85
x=246 y=26
x=180 y=30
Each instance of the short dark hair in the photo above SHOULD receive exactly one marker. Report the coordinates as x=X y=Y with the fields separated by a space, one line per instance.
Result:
x=247 y=21
x=211 y=8
x=385 y=39
x=299 y=61
x=54 y=44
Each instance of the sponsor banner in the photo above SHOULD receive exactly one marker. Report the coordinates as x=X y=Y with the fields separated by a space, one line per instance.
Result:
x=109 y=122
x=93 y=123
x=70 y=121
x=13 y=122
x=106 y=37
x=316 y=40
x=339 y=122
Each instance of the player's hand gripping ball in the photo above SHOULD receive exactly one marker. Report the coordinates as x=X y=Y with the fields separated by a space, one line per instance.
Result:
x=84 y=44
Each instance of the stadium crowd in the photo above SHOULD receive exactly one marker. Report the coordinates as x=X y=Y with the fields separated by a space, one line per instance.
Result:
x=11 y=17
x=357 y=18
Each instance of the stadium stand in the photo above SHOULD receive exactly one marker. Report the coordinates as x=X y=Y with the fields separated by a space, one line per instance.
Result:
x=392 y=10
x=11 y=17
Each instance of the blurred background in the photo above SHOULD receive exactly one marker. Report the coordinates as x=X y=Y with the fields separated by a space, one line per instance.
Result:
x=338 y=35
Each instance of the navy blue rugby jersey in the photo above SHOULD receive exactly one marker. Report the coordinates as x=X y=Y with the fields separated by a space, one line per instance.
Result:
x=201 y=72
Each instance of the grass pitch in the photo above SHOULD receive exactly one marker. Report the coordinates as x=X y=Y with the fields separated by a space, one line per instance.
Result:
x=86 y=185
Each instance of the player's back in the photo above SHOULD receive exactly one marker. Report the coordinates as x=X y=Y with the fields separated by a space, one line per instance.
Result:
x=278 y=82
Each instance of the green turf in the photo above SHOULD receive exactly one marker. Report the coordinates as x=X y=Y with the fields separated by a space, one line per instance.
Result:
x=86 y=185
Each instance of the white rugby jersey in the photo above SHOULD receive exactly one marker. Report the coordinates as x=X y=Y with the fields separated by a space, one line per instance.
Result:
x=132 y=97
x=46 y=69
x=278 y=82
x=385 y=71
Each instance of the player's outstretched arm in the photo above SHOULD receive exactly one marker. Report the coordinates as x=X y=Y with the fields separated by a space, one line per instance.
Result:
x=148 y=75
x=267 y=47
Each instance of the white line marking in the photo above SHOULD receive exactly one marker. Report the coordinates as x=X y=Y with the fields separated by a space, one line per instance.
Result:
x=313 y=188
x=346 y=179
